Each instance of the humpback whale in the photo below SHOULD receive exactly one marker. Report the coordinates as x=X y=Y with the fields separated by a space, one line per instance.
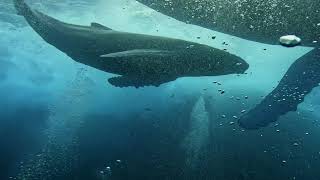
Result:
x=139 y=60
x=266 y=22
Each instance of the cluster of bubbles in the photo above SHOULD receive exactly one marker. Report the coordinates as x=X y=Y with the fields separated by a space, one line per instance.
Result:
x=105 y=173
x=59 y=154
x=245 y=16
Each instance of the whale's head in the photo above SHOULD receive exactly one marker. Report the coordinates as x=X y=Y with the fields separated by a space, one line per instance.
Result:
x=208 y=61
x=231 y=65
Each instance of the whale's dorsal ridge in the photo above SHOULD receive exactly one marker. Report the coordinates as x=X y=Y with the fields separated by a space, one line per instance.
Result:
x=99 y=26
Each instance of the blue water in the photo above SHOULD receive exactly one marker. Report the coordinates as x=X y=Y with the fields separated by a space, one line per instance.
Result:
x=62 y=120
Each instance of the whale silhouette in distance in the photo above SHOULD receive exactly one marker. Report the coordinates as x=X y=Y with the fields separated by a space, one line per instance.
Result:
x=140 y=60
x=265 y=22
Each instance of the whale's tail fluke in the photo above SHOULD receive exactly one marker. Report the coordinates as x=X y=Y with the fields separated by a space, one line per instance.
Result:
x=44 y=25
x=30 y=15
x=22 y=8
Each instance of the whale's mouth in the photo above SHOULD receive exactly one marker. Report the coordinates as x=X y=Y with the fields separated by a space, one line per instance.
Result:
x=244 y=68
x=241 y=67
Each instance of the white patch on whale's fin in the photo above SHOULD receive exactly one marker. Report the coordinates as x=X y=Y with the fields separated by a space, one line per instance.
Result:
x=99 y=26
x=138 y=52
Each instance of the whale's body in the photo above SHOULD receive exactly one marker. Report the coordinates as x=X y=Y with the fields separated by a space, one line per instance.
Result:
x=262 y=21
x=139 y=59
x=265 y=22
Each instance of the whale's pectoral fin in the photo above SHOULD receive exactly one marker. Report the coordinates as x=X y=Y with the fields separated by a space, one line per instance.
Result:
x=99 y=26
x=139 y=81
x=139 y=53
x=299 y=80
